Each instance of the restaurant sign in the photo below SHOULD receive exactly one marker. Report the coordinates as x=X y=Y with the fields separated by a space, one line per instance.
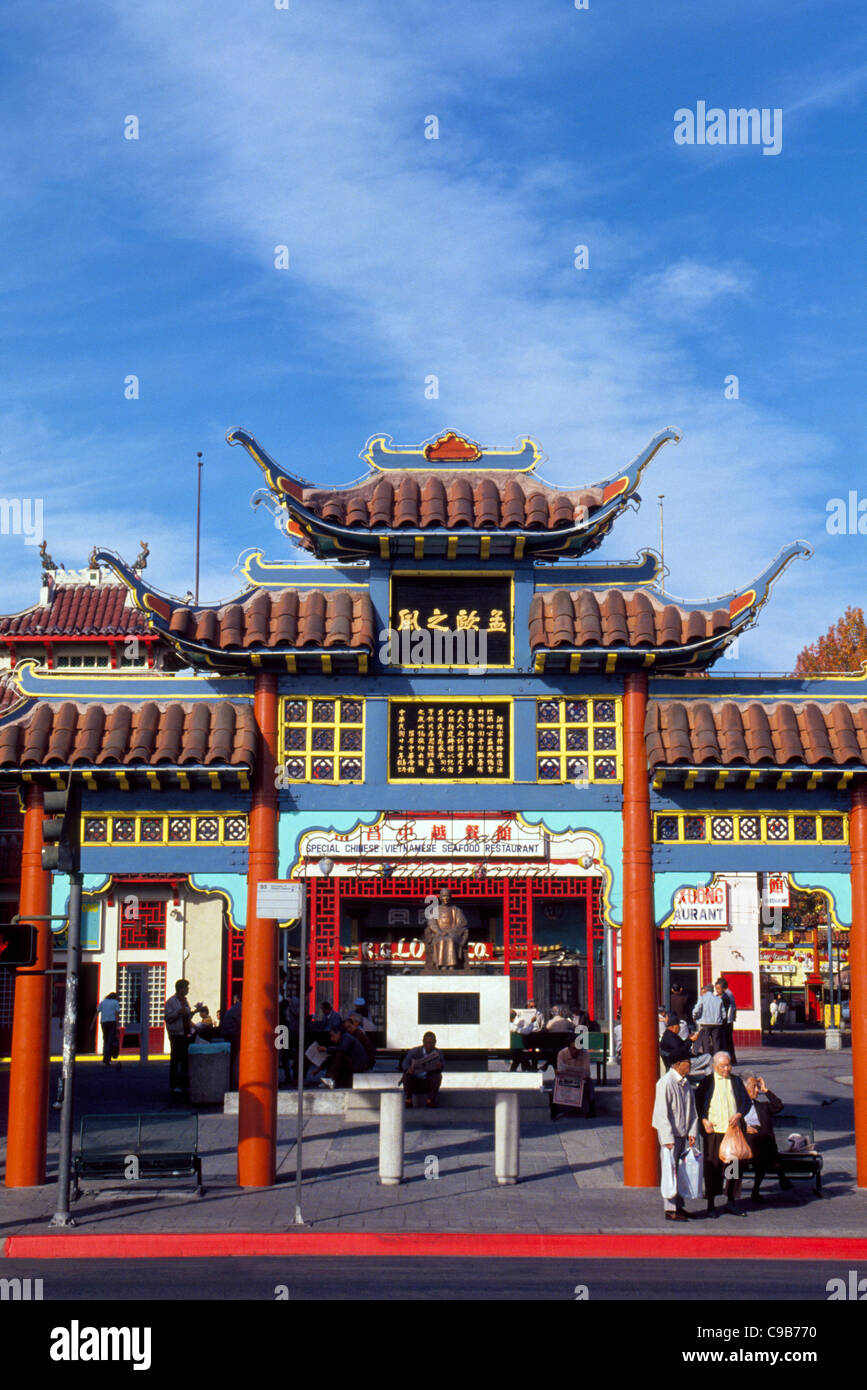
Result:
x=701 y=907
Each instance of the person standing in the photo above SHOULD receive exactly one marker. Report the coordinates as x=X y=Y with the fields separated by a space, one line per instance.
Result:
x=722 y=987
x=773 y=1013
x=710 y=1014
x=179 y=1022
x=722 y=1101
x=230 y=1032
x=675 y=1120
x=782 y=1010
x=109 y=1017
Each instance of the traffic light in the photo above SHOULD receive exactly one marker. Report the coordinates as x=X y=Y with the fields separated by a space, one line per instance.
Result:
x=17 y=944
x=61 y=808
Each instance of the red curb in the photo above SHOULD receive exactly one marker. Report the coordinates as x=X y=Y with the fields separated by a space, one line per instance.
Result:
x=408 y=1244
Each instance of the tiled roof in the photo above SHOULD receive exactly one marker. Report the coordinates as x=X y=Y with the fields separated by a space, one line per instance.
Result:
x=288 y=618
x=77 y=610
x=452 y=499
x=753 y=735
x=149 y=735
x=618 y=618
x=9 y=696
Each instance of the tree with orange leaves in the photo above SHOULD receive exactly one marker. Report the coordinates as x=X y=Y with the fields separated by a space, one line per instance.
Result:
x=843 y=647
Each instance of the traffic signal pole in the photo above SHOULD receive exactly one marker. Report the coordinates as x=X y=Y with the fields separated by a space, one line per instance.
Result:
x=61 y=1215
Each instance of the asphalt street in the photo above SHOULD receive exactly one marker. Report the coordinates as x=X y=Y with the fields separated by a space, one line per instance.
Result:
x=303 y=1279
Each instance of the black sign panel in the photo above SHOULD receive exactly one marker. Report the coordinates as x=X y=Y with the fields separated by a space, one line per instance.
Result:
x=467 y=618
x=17 y=945
x=449 y=740
x=445 y=1009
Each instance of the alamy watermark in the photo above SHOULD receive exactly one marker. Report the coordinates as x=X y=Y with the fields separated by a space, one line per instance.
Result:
x=421 y=646
x=739 y=125
x=22 y=516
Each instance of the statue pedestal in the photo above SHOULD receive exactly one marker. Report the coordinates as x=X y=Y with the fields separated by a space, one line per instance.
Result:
x=463 y=1010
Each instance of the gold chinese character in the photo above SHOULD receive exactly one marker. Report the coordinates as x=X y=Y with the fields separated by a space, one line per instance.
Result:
x=437 y=618
x=408 y=620
x=495 y=621
x=467 y=621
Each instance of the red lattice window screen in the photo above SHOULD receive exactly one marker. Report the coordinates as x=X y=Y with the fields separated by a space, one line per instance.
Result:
x=146 y=931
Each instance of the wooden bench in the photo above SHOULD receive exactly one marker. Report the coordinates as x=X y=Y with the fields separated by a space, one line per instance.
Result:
x=135 y=1147
x=392 y=1105
x=796 y=1166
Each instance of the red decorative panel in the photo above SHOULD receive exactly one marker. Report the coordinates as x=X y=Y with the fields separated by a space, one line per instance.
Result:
x=147 y=930
x=741 y=986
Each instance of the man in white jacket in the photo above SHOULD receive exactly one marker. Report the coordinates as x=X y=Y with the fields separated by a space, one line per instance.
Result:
x=675 y=1120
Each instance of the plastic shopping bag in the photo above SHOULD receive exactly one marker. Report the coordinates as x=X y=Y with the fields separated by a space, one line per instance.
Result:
x=689 y=1174
x=735 y=1146
x=668 y=1182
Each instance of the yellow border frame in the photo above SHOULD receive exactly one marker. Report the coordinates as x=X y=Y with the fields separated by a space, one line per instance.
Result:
x=452 y=700
x=459 y=574
x=590 y=724
x=308 y=753
x=165 y=843
x=763 y=838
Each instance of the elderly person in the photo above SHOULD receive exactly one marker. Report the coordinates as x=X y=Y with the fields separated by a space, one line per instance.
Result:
x=573 y=1066
x=721 y=1100
x=711 y=1013
x=722 y=987
x=759 y=1120
x=675 y=1120
x=423 y=1071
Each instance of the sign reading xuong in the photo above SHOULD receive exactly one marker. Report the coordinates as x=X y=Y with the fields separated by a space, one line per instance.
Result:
x=701 y=907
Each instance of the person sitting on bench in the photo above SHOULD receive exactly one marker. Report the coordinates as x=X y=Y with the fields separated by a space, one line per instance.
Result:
x=423 y=1071
x=573 y=1067
x=348 y=1058
x=759 y=1120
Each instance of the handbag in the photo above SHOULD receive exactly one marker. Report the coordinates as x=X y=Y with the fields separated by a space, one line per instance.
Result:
x=668 y=1180
x=689 y=1174
x=734 y=1146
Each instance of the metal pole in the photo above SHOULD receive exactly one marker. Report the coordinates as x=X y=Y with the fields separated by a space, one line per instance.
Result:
x=830 y=973
x=661 y=496
x=61 y=1216
x=609 y=980
x=666 y=967
x=302 y=1019
x=198 y=518
x=144 y=1012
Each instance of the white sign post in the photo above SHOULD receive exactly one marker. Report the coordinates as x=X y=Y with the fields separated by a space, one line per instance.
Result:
x=281 y=900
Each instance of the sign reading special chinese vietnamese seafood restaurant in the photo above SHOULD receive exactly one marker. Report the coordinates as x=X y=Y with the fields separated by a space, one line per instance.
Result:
x=449 y=740
x=701 y=907
x=434 y=603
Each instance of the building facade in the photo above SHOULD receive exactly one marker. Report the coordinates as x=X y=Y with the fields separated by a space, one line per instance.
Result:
x=443 y=686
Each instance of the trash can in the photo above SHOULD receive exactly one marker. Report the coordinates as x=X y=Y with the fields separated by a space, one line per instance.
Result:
x=209 y=1072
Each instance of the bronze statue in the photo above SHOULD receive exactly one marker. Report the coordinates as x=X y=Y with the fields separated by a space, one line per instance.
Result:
x=445 y=936
x=47 y=562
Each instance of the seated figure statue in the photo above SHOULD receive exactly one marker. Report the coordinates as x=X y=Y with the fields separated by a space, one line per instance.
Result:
x=445 y=936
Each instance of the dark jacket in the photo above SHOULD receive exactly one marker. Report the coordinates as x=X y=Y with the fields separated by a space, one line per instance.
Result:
x=674 y=1048
x=704 y=1092
x=767 y=1106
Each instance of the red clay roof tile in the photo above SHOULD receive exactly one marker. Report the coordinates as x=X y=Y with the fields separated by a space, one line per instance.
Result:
x=728 y=734
x=206 y=734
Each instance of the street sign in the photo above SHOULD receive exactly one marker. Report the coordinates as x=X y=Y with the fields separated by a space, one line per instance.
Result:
x=17 y=945
x=282 y=900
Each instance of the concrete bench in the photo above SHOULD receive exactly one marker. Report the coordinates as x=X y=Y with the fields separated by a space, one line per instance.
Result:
x=392 y=1105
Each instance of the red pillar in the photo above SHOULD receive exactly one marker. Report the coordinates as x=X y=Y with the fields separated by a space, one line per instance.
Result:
x=640 y=1058
x=858 y=975
x=28 y=1088
x=257 y=1100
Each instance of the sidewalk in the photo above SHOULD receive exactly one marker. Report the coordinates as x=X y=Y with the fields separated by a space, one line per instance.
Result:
x=571 y=1170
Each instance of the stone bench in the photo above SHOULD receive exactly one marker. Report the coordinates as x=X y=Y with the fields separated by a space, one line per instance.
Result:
x=506 y=1087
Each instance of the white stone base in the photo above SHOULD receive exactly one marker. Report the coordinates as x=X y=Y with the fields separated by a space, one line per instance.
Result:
x=402 y=1009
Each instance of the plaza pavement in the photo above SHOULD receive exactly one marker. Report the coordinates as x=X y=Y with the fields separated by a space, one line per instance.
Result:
x=571 y=1169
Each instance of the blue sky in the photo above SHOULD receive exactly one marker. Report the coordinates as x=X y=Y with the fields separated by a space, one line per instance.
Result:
x=409 y=257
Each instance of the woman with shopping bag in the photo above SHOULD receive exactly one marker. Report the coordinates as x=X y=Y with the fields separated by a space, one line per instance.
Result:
x=722 y=1102
x=675 y=1120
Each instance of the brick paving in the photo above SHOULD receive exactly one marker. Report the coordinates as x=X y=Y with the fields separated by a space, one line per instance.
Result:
x=571 y=1169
